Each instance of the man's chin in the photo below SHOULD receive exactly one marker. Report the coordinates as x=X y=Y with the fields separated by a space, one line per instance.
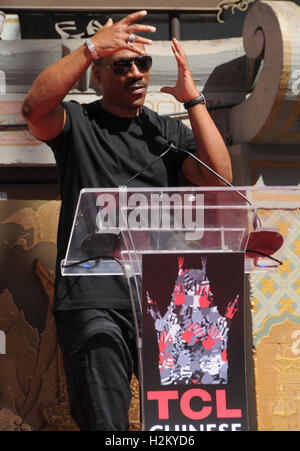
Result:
x=136 y=100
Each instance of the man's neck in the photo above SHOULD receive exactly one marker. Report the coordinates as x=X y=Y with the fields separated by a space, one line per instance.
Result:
x=120 y=112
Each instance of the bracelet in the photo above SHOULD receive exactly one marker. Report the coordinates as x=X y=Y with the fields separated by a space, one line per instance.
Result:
x=92 y=49
x=196 y=101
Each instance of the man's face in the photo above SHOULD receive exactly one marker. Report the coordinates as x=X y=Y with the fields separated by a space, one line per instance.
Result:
x=123 y=82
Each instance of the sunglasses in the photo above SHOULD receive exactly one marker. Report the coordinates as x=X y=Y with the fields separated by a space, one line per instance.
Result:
x=123 y=66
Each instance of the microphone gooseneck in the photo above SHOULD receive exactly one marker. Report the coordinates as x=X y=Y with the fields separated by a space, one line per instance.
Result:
x=261 y=241
x=159 y=142
x=106 y=243
x=257 y=222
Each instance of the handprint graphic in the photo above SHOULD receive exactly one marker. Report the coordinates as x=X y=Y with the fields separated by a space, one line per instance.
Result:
x=190 y=334
x=212 y=338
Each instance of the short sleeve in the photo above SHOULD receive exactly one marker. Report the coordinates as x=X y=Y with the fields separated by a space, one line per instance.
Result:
x=58 y=143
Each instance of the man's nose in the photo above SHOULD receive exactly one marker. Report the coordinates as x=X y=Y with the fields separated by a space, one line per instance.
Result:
x=135 y=71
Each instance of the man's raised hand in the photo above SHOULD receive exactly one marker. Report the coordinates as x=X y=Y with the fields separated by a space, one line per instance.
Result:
x=113 y=37
x=185 y=88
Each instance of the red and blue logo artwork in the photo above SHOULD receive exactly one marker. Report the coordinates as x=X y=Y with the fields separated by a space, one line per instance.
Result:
x=192 y=335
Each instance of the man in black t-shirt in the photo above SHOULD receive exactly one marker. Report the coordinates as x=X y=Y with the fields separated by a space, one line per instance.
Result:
x=115 y=148
x=103 y=144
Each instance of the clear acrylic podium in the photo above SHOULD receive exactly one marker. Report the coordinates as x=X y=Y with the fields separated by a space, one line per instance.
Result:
x=113 y=228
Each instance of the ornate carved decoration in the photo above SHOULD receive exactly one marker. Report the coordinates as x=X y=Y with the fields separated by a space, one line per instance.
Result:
x=134 y=411
x=33 y=393
x=278 y=377
x=25 y=369
x=9 y=421
x=241 y=5
x=270 y=114
x=56 y=414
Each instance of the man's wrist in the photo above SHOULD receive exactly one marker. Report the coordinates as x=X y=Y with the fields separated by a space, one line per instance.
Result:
x=91 y=48
x=199 y=99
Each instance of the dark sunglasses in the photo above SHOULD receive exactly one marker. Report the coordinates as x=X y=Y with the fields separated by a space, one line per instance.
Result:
x=123 y=66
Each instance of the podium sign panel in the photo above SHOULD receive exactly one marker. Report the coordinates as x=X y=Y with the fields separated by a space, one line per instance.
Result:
x=193 y=342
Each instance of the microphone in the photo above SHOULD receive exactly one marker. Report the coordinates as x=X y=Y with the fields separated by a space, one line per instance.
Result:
x=105 y=244
x=261 y=241
x=159 y=142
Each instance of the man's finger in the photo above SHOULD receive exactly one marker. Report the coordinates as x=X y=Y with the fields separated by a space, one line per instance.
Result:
x=132 y=17
x=144 y=41
x=141 y=40
x=109 y=23
x=138 y=28
x=177 y=46
x=134 y=48
x=178 y=51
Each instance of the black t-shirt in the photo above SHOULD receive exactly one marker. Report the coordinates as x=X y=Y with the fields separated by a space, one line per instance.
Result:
x=99 y=150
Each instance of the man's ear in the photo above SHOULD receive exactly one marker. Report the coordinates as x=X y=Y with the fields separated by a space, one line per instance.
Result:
x=96 y=81
x=96 y=71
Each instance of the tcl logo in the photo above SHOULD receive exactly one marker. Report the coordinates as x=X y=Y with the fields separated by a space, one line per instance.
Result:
x=163 y=398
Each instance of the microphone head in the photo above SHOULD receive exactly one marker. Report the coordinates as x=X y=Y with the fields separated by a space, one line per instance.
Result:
x=267 y=241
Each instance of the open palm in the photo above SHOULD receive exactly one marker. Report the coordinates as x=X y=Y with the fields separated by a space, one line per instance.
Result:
x=185 y=88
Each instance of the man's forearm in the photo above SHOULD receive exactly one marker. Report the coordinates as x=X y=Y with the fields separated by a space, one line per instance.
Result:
x=210 y=147
x=41 y=107
x=54 y=83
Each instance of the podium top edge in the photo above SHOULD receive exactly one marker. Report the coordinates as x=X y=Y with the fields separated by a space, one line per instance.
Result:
x=204 y=189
